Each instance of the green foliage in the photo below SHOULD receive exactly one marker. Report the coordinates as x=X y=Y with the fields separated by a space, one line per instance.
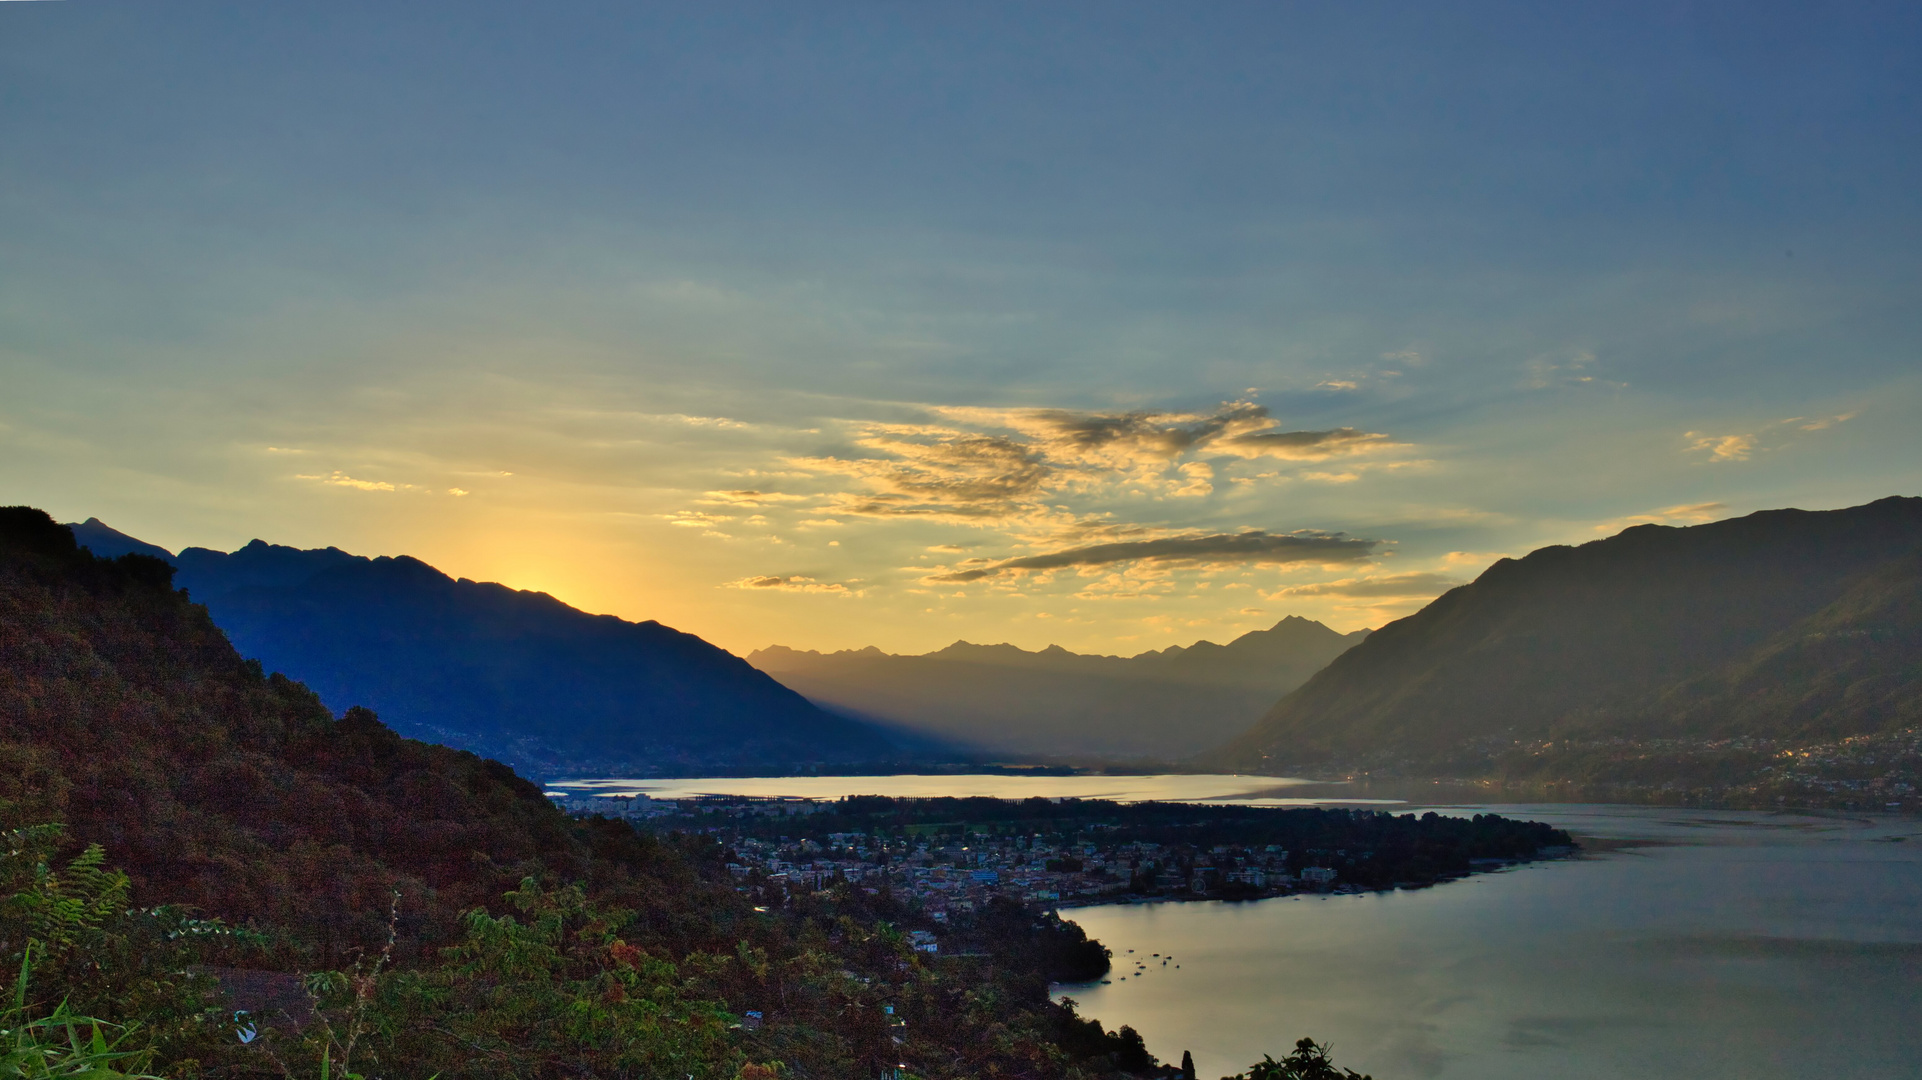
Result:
x=550 y=988
x=55 y=1046
x=522 y=945
x=1309 y=1062
x=88 y=961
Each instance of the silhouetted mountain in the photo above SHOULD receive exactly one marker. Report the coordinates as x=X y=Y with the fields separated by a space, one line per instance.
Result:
x=1001 y=699
x=129 y=719
x=125 y=714
x=518 y=676
x=1786 y=624
x=94 y=535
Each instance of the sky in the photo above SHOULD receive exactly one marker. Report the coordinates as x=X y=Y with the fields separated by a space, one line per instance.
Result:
x=1108 y=325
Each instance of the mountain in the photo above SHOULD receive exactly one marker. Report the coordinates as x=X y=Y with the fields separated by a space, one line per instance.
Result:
x=1786 y=624
x=125 y=714
x=1001 y=699
x=108 y=543
x=473 y=930
x=517 y=676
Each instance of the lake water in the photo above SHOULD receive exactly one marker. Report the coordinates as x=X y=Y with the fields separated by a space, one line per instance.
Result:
x=1244 y=790
x=1722 y=945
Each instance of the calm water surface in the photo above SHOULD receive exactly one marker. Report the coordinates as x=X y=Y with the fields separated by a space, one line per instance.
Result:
x=1723 y=944
x=1243 y=790
x=1714 y=944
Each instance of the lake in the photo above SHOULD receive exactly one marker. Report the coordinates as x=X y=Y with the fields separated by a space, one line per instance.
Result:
x=1244 y=790
x=1723 y=944
x=1705 y=944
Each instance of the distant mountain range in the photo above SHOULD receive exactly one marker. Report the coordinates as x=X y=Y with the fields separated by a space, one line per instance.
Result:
x=517 y=676
x=999 y=699
x=1791 y=625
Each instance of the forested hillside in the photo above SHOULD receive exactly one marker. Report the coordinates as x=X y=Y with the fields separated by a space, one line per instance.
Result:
x=472 y=929
x=1786 y=625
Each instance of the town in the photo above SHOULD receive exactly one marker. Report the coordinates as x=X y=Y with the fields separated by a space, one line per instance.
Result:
x=949 y=857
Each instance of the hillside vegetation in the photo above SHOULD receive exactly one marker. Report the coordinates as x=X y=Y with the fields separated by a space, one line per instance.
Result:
x=1787 y=625
x=399 y=909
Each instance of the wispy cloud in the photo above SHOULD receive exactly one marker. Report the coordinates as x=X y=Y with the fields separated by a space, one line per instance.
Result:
x=932 y=472
x=1687 y=514
x=1011 y=467
x=1132 y=439
x=798 y=584
x=1820 y=423
x=1254 y=546
x=1721 y=447
x=1419 y=585
x=1773 y=436
x=1564 y=369
x=1304 y=445
x=341 y=479
x=743 y=497
x=695 y=519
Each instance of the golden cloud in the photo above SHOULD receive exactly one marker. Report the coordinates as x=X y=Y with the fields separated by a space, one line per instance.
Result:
x=1253 y=546
x=799 y=584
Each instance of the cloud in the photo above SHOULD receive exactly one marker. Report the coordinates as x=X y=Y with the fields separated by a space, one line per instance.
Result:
x=1688 y=513
x=1421 y=585
x=341 y=479
x=1304 y=445
x=1741 y=447
x=1721 y=447
x=933 y=472
x=1241 y=428
x=695 y=519
x=1568 y=369
x=1822 y=422
x=1197 y=474
x=706 y=421
x=790 y=584
x=1254 y=546
x=1476 y=559
x=991 y=466
x=747 y=498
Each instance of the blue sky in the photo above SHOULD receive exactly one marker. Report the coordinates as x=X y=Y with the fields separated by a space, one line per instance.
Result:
x=892 y=324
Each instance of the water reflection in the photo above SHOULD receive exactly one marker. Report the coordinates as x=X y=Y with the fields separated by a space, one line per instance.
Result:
x=1248 y=790
x=1713 y=944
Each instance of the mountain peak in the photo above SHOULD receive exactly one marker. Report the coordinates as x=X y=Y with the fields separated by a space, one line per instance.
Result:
x=110 y=543
x=1616 y=638
x=515 y=674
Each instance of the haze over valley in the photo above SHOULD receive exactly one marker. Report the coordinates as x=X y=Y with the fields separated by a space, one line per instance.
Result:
x=1153 y=707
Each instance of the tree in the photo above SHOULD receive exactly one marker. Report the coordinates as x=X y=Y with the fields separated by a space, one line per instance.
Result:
x=1309 y=1062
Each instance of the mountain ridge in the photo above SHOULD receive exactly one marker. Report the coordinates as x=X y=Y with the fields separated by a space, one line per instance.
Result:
x=517 y=675
x=1640 y=635
x=1155 y=705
